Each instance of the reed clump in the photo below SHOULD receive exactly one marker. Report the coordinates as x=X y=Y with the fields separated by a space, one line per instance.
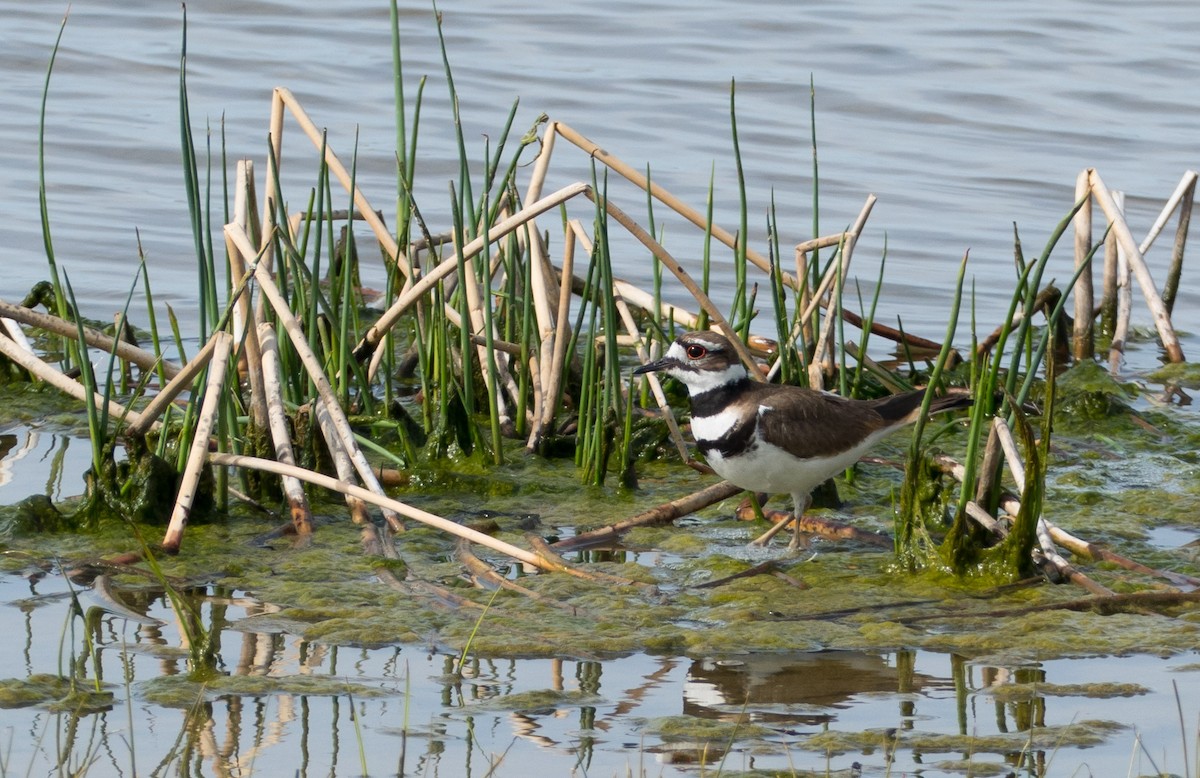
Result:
x=508 y=331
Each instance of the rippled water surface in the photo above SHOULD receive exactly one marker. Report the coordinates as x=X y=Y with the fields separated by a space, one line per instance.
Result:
x=962 y=117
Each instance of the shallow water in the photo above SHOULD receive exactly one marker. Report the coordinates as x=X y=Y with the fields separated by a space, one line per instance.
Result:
x=307 y=707
x=962 y=117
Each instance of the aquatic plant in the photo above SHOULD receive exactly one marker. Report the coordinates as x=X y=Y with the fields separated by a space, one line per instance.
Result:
x=488 y=339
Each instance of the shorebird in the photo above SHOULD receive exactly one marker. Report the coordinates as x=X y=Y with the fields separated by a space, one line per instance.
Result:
x=776 y=438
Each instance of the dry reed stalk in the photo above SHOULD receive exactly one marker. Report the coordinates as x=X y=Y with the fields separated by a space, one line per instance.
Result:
x=547 y=381
x=94 y=338
x=1124 y=298
x=386 y=503
x=1175 y=201
x=359 y=514
x=1011 y=455
x=543 y=287
x=645 y=301
x=284 y=97
x=280 y=433
x=196 y=455
x=635 y=340
x=666 y=198
x=655 y=386
x=823 y=357
x=475 y=303
x=58 y=380
x=1137 y=262
x=176 y=386
x=984 y=519
x=1011 y=505
x=14 y=331
x=802 y=264
x=663 y=256
x=250 y=355
x=1082 y=547
x=313 y=365
x=810 y=300
x=419 y=289
x=1064 y=568
x=1083 y=337
x=1181 y=234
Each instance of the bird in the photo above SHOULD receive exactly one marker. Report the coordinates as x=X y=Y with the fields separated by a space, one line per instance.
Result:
x=778 y=438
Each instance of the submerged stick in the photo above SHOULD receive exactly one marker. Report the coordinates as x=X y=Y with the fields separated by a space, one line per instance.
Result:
x=661 y=514
x=196 y=456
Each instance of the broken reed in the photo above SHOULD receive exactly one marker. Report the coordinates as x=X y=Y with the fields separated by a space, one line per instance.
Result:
x=484 y=339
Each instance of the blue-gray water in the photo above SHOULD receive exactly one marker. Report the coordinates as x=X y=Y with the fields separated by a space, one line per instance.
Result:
x=962 y=117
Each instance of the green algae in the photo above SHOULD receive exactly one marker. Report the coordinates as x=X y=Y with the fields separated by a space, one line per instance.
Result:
x=1025 y=692
x=695 y=729
x=180 y=691
x=54 y=693
x=1079 y=734
x=540 y=699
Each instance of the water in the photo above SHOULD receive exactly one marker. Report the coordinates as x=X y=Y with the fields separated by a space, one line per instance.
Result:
x=304 y=708
x=963 y=118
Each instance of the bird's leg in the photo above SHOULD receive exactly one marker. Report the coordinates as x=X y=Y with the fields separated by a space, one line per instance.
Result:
x=801 y=503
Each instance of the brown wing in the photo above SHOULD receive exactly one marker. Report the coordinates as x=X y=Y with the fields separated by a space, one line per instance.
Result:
x=810 y=424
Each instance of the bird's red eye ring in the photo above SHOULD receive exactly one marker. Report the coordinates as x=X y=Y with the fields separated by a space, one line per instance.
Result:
x=696 y=351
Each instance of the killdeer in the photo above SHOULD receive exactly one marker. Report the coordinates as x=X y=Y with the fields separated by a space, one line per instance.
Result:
x=775 y=438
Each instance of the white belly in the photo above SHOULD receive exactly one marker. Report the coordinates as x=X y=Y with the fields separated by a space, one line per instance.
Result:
x=765 y=468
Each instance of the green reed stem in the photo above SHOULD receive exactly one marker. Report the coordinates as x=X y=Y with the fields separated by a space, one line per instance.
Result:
x=740 y=314
x=60 y=303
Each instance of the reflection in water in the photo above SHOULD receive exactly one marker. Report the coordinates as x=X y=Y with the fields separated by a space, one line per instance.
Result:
x=808 y=687
x=283 y=705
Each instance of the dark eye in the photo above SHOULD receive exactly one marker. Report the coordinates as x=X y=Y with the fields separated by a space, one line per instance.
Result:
x=696 y=351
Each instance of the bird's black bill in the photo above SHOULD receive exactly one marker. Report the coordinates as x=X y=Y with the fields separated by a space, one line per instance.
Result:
x=652 y=367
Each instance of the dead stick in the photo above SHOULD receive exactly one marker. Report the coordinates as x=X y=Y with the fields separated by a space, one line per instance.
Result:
x=1083 y=340
x=277 y=423
x=420 y=288
x=663 y=256
x=130 y=353
x=662 y=514
x=1137 y=264
x=59 y=380
x=196 y=456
